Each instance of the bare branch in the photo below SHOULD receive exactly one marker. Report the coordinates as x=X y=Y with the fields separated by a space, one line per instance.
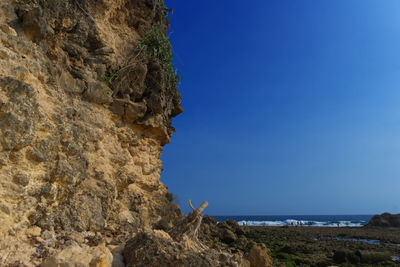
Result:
x=202 y=207
x=191 y=206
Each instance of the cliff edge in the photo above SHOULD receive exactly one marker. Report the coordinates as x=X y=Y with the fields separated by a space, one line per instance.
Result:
x=87 y=94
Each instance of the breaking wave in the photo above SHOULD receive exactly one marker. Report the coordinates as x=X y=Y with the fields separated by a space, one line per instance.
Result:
x=291 y=222
x=299 y=220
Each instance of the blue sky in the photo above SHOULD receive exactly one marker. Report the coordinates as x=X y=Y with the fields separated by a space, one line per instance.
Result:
x=291 y=106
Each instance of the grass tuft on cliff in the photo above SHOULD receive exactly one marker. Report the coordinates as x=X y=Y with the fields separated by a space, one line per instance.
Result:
x=158 y=46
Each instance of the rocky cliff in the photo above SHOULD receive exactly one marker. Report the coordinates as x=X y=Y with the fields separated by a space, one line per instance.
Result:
x=87 y=93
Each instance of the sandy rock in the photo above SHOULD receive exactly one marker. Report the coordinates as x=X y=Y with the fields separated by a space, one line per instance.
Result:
x=129 y=110
x=48 y=235
x=5 y=208
x=49 y=239
x=3 y=158
x=258 y=257
x=76 y=256
x=8 y=30
x=69 y=84
x=134 y=111
x=99 y=93
x=77 y=237
x=34 y=231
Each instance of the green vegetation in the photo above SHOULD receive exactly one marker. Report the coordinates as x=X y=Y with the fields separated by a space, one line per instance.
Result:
x=347 y=257
x=158 y=47
x=160 y=5
x=378 y=257
x=344 y=256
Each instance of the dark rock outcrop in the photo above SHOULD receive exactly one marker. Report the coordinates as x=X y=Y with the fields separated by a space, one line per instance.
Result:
x=385 y=220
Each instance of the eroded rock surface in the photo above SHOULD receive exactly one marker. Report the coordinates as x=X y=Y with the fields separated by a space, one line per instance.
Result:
x=78 y=153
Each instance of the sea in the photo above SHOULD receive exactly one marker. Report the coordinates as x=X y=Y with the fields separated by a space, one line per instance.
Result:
x=300 y=220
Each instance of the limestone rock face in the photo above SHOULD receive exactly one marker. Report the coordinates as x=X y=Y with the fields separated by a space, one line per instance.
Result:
x=81 y=126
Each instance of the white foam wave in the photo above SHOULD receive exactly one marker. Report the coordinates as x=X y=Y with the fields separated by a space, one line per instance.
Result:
x=291 y=222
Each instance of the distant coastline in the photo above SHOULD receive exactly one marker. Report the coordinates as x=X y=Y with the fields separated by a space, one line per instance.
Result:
x=300 y=220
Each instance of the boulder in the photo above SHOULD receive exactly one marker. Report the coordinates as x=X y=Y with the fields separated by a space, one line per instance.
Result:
x=75 y=255
x=258 y=257
x=228 y=236
x=385 y=220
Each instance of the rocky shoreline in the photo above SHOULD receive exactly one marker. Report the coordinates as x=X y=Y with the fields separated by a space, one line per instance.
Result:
x=325 y=246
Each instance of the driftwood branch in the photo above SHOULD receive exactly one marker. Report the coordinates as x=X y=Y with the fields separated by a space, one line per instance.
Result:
x=190 y=205
x=202 y=207
x=190 y=225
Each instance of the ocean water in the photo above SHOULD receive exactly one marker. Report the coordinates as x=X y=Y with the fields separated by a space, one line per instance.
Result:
x=300 y=220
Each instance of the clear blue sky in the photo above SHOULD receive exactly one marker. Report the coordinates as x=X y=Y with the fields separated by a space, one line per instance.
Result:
x=291 y=107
